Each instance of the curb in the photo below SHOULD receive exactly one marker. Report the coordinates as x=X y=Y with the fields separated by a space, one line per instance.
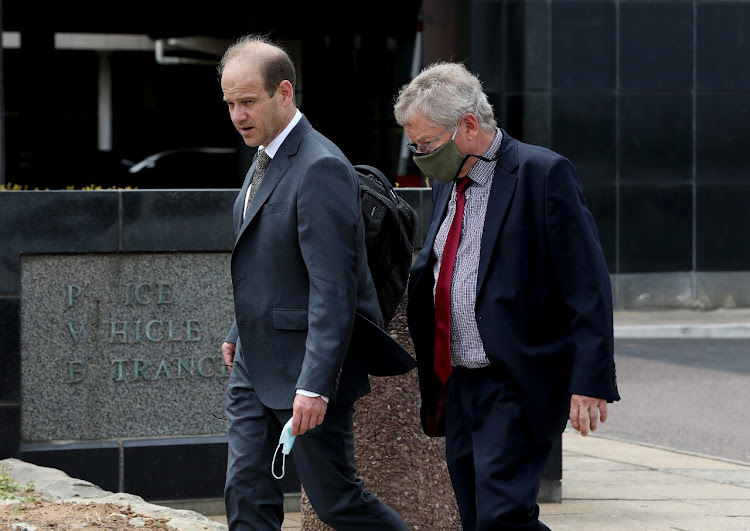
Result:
x=684 y=331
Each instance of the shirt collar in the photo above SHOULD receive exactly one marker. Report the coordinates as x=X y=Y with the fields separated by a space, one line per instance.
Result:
x=481 y=172
x=274 y=145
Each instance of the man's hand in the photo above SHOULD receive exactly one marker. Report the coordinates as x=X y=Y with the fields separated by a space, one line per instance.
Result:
x=308 y=412
x=227 y=350
x=586 y=411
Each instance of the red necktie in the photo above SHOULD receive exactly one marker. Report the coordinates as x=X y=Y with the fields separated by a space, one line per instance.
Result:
x=443 y=288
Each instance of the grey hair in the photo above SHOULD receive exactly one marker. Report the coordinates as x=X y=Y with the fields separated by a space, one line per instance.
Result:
x=443 y=93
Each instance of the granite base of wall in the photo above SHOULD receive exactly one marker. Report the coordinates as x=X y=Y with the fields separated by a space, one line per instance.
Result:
x=160 y=470
x=10 y=424
x=698 y=290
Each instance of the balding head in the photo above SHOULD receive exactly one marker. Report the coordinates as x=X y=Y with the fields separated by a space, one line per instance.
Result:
x=272 y=60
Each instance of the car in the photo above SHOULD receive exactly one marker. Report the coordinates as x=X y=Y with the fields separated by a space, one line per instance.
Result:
x=192 y=167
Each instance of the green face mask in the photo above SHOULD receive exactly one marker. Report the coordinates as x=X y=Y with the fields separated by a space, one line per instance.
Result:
x=443 y=164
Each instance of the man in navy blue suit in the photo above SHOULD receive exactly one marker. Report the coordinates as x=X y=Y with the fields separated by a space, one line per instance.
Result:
x=510 y=304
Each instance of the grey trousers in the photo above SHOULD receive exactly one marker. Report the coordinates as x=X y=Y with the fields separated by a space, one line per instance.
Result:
x=323 y=457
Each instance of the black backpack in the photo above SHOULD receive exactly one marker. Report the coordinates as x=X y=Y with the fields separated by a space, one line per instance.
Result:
x=390 y=234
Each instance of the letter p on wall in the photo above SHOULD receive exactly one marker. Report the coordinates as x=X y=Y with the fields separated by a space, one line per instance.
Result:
x=73 y=293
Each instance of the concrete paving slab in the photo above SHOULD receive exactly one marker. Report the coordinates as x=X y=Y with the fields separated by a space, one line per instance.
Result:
x=576 y=461
x=642 y=455
x=636 y=485
x=611 y=484
x=650 y=510
x=740 y=478
x=642 y=514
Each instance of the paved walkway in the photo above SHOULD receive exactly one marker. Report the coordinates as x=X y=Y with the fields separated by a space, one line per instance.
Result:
x=611 y=484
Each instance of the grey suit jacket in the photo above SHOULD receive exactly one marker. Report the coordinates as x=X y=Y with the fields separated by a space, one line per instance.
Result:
x=299 y=273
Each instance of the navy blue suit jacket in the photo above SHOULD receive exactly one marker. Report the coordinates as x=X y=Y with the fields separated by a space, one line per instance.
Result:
x=544 y=301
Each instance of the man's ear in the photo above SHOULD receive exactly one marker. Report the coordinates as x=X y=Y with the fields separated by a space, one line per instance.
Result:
x=287 y=91
x=472 y=126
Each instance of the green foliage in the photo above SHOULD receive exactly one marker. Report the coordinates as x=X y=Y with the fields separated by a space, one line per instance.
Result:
x=11 y=187
x=10 y=490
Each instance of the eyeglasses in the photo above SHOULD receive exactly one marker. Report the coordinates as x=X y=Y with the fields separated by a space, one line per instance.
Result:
x=424 y=149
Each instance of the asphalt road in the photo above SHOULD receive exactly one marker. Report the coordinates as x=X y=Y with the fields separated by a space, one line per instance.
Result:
x=685 y=394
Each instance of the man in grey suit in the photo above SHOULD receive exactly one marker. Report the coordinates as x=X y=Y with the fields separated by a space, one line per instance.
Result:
x=299 y=275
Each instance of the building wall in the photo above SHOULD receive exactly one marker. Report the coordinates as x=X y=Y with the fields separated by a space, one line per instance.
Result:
x=651 y=102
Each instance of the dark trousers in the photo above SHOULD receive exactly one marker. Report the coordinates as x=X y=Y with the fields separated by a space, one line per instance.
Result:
x=494 y=463
x=323 y=457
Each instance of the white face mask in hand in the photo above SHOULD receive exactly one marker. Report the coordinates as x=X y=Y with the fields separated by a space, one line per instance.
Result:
x=286 y=441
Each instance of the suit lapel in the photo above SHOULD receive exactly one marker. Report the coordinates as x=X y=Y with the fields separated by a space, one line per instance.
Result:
x=239 y=204
x=442 y=195
x=274 y=173
x=503 y=186
x=440 y=206
x=281 y=162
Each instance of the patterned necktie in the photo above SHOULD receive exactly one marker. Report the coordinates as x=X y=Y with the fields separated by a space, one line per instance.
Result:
x=261 y=165
x=442 y=351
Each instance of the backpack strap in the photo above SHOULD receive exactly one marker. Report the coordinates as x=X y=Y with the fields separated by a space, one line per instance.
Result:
x=364 y=168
